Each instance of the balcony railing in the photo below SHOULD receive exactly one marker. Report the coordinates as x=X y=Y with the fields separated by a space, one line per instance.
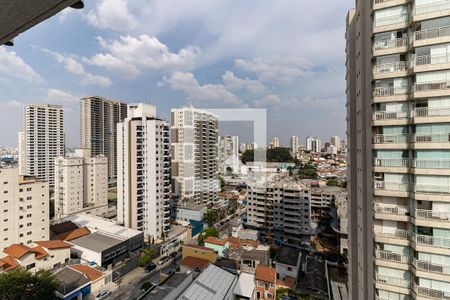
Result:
x=393 y=162
x=391 y=20
x=431 y=59
x=389 y=115
x=424 y=214
x=391 y=138
x=390 y=91
x=381 y=1
x=431 y=137
x=432 y=163
x=432 y=189
x=391 y=280
x=389 y=68
x=392 y=233
x=428 y=266
x=430 y=293
x=390 y=256
x=431 y=7
x=391 y=43
x=431 y=86
x=432 y=33
x=434 y=241
x=391 y=209
x=391 y=186
x=432 y=112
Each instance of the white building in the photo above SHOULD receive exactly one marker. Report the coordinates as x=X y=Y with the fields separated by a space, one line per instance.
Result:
x=41 y=141
x=275 y=142
x=143 y=183
x=195 y=155
x=331 y=149
x=81 y=184
x=336 y=141
x=24 y=213
x=229 y=154
x=313 y=144
x=294 y=145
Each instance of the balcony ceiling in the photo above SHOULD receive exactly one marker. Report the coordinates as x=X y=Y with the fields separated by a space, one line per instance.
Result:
x=17 y=16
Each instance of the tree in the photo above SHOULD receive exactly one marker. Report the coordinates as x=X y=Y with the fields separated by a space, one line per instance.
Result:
x=146 y=257
x=21 y=284
x=272 y=155
x=332 y=182
x=210 y=231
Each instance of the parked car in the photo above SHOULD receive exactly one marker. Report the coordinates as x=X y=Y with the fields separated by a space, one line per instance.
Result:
x=163 y=259
x=150 y=267
x=173 y=254
x=103 y=295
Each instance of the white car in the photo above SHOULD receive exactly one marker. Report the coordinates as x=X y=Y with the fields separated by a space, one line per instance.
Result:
x=102 y=295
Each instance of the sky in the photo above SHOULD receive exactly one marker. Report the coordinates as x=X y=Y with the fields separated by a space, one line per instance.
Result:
x=286 y=56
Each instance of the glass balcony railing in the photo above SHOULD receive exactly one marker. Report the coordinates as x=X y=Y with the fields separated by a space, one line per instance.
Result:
x=428 y=266
x=411 y=138
x=392 y=233
x=391 y=209
x=432 y=111
x=393 y=162
x=420 y=163
x=431 y=7
x=393 y=257
x=430 y=293
x=391 y=280
x=391 y=138
x=391 y=20
x=429 y=240
x=390 y=68
x=391 y=186
x=390 y=43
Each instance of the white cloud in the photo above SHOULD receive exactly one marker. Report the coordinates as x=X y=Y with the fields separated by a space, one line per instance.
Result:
x=129 y=55
x=296 y=104
x=73 y=66
x=277 y=69
x=11 y=65
x=209 y=94
x=234 y=83
x=112 y=14
x=14 y=104
x=62 y=96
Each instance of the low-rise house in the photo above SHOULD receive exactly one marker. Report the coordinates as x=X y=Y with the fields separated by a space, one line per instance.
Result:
x=245 y=287
x=190 y=263
x=221 y=246
x=45 y=255
x=287 y=264
x=98 y=276
x=202 y=252
x=172 y=287
x=265 y=282
x=73 y=284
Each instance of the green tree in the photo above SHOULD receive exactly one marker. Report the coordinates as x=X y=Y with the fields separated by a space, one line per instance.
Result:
x=146 y=257
x=272 y=155
x=211 y=216
x=21 y=284
x=332 y=182
x=210 y=231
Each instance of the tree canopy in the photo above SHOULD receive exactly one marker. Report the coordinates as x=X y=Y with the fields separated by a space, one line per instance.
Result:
x=272 y=155
x=210 y=231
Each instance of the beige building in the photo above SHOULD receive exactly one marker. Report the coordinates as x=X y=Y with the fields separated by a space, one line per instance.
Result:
x=275 y=142
x=24 y=213
x=99 y=118
x=194 y=155
x=81 y=184
x=398 y=112
x=143 y=182
x=41 y=141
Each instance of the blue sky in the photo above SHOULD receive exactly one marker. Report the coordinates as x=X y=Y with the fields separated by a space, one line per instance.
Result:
x=287 y=56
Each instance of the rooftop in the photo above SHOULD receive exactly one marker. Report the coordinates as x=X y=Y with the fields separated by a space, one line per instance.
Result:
x=215 y=241
x=245 y=285
x=74 y=234
x=96 y=242
x=195 y=262
x=54 y=244
x=288 y=255
x=199 y=247
x=90 y=272
x=267 y=274
x=8 y=263
x=213 y=284
x=70 y=280
x=173 y=282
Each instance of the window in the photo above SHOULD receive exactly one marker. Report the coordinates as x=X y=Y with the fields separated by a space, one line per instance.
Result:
x=30 y=266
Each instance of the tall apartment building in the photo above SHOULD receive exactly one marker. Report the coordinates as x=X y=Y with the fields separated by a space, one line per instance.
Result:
x=41 y=141
x=229 y=154
x=194 y=155
x=313 y=144
x=336 y=141
x=81 y=184
x=280 y=210
x=143 y=179
x=24 y=213
x=99 y=118
x=293 y=141
x=398 y=100
x=275 y=142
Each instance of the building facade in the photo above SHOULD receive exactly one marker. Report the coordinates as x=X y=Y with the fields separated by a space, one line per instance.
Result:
x=313 y=144
x=293 y=143
x=143 y=184
x=229 y=161
x=194 y=155
x=398 y=131
x=275 y=142
x=24 y=213
x=81 y=184
x=99 y=118
x=41 y=141
x=336 y=142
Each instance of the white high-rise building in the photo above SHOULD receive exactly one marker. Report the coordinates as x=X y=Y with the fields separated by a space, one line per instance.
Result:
x=336 y=141
x=99 y=117
x=24 y=213
x=294 y=145
x=143 y=179
x=229 y=161
x=81 y=184
x=313 y=144
x=195 y=155
x=41 y=141
x=275 y=142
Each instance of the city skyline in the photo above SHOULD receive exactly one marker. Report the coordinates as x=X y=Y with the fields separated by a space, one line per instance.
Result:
x=209 y=65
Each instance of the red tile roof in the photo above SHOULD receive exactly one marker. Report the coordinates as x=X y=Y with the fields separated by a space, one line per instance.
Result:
x=199 y=247
x=17 y=250
x=267 y=274
x=74 y=234
x=55 y=244
x=91 y=273
x=8 y=263
x=237 y=242
x=39 y=252
x=215 y=241
x=194 y=262
x=288 y=282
